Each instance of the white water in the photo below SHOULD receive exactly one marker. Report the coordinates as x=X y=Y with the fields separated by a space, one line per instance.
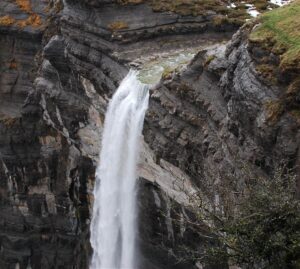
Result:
x=114 y=213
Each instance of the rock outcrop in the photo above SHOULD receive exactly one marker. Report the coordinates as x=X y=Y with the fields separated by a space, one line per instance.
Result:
x=44 y=175
x=60 y=64
x=213 y=120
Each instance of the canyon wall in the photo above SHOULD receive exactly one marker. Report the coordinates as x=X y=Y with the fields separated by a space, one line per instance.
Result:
x=60 y=64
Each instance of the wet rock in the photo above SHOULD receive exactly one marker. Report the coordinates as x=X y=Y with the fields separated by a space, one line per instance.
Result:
x=202 y=126
x=224 y=95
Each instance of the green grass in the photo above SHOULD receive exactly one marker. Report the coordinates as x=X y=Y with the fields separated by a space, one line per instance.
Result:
x=280 y=32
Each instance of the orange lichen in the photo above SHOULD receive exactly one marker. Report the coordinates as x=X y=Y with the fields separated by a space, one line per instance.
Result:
x=7 y=20
x=24 y=5
x=118 y=25
x=33 y=20
x=13 y=64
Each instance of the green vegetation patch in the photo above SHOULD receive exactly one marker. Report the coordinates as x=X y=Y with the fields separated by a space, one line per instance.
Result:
x=255 y=226
x=234 y=15
x=279 y=32
x=188 y=7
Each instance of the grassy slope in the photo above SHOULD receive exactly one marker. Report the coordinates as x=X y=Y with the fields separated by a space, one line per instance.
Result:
x=280 y=32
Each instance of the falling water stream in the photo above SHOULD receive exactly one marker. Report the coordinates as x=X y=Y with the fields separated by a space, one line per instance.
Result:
x=114 y=212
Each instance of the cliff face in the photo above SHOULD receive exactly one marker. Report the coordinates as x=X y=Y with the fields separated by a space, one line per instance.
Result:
x=215 y=119
x=60 y=64
x=44 y=174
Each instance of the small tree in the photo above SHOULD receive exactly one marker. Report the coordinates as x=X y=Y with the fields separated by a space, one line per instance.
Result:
x=262 y=230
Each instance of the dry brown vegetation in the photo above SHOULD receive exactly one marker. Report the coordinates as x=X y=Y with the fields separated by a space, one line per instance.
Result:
x=33 y=19
x=24 y=5
x=7 y=20
x=274 y=110
x=13 y=64
x=117 y=25
x=234 y=15
x=9 y=122
x=279 y=33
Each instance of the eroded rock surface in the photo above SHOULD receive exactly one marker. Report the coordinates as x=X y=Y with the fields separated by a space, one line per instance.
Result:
x=60 y=64
x=213 y=120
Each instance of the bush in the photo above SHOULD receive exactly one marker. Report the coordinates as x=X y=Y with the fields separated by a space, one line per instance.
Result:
x=263 y=228
x=265 y=231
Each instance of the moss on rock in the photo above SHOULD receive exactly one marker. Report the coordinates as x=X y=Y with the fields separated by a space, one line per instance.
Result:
x=279 y=32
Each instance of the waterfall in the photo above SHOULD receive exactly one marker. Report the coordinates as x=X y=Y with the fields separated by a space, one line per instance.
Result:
x=113 y=223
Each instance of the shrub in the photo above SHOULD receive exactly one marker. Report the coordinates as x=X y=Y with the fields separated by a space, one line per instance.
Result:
x=260 y=229
x=265 y=231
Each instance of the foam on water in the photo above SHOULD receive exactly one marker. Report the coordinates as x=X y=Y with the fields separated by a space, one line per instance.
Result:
x=114 y=211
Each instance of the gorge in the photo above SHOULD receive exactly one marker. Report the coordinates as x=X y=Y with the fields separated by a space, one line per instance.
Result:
x=227 y=102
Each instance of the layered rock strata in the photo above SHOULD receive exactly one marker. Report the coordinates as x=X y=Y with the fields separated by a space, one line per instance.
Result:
x=60 y=64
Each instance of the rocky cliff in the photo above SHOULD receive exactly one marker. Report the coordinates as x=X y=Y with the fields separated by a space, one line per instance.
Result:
x=60 y=63
x=218 y=113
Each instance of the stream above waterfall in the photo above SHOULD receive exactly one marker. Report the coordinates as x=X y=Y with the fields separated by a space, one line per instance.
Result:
x=159 y=65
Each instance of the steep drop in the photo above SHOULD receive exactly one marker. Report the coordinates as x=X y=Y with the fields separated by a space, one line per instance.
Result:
x=114 y=212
